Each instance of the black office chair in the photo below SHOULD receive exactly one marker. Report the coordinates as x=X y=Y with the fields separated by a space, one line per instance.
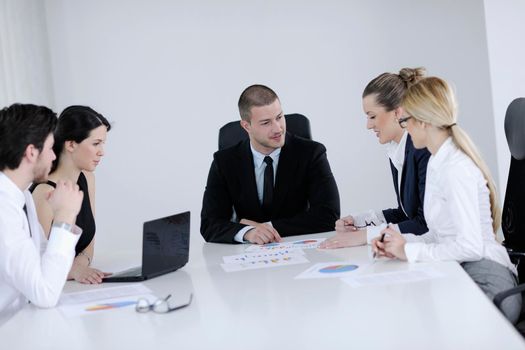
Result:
x=513 y=216
x=232 y=133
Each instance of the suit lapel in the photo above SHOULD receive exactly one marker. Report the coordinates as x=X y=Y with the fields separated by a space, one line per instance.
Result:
x=408 y=146
x=285 y=173
x=395 y=175
x=247 y=178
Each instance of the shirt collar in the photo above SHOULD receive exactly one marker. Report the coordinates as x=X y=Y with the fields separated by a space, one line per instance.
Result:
x=436 y=160
x=396 y=151
x=12 y=190
x=258 y=157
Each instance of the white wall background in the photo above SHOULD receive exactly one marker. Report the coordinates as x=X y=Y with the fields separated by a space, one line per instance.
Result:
x=25 y=74
x=169 y=73
x=505 y=36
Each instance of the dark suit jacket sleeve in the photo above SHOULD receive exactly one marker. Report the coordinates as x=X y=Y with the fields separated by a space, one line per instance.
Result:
x=417 y=224
x=217 y=209
x=323 y=199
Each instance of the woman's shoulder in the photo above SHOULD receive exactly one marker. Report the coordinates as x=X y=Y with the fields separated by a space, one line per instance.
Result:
x=41 y=191
x=44 y=187
x=462 y=169
x=418 y=154
x=87 y=177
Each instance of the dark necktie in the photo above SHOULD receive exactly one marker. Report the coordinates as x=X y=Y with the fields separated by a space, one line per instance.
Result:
x=268 y=186
x=28 y=225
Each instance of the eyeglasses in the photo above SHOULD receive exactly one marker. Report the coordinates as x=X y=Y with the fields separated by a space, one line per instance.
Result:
x=160 y=306
x=403 y=121
x=371 y=223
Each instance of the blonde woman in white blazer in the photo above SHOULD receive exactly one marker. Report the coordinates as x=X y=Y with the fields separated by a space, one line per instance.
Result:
x=460 y=204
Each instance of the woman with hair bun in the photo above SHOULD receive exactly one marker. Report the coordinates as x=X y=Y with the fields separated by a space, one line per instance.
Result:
x=382 y=105
x=461 y=206
x=80 y=136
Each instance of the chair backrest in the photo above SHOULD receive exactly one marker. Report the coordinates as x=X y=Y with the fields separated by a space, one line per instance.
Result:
x=232 y=133
x=513 y=217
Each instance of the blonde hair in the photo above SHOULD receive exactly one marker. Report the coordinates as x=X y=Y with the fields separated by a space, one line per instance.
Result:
x=431 y=100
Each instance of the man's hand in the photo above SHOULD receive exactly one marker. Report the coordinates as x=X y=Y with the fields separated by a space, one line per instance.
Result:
x=65 y=201
x=262 y=233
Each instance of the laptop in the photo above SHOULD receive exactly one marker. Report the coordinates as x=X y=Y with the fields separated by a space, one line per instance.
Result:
x=165 y=248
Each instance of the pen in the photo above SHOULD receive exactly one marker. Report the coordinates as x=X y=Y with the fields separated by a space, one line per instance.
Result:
x=380 y=240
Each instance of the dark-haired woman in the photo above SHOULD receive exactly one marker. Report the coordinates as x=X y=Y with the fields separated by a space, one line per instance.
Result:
x=382 y=105
x=79 y=146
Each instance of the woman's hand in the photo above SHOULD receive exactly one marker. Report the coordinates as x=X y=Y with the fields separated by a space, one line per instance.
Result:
x=87 y=275
x=345 y=224
x=392 y=245
x=345 y=239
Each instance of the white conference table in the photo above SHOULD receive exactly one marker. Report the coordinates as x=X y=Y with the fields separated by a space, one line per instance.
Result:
x=268 y=308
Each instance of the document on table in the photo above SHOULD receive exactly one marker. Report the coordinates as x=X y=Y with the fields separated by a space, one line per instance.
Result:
x=286 y=259
x=332 y=270
x=302 y=244
x=103 y=299
x=397 y=277
x=105 y=305
x=103 y=293
x=247 y=257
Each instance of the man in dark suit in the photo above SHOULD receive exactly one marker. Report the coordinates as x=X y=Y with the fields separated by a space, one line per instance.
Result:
x=273 y=184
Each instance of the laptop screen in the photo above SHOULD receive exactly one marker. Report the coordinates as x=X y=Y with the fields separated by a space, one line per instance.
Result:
x=166 y=244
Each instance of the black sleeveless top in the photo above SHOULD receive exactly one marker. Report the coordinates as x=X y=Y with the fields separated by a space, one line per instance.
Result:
x=85 y=219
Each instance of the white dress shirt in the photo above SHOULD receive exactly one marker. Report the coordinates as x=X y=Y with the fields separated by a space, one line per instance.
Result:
x=457 y=211
x=25 y=274
x=259 y=167
x=396 y=153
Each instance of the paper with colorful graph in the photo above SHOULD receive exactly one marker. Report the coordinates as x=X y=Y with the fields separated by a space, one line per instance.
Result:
x=263 y=259
x=337 y=269
x=94 y=301
x=301 y=244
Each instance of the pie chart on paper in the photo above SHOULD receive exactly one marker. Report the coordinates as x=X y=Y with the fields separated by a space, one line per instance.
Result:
x=338 y=268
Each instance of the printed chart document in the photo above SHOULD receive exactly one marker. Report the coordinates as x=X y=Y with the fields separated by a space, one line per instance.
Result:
x=103 y=293
x=105 y=305
x=286 y=259
x=246 y=257
x=377 y=279
x=332 y=270
x=103 y=299
x=302 y=244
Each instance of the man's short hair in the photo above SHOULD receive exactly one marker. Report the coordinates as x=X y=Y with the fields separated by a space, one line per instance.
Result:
x=22 y=125
x=255 y=96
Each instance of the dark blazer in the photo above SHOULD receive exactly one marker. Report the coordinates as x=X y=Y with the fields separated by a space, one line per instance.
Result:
x=412 y=191
x=305 y=200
